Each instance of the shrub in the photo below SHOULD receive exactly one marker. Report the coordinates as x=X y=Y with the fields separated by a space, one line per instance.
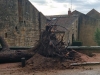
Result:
x=97 y=36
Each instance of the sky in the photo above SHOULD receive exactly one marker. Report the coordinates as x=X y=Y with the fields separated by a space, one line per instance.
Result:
x=60 y=7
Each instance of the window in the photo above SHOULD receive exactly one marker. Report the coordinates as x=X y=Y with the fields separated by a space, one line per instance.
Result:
x=73 y=38
x=5 y=35
x=16 y=28
x=54 y=18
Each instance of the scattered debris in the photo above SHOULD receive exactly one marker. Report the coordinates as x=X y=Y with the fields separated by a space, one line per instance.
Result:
x=48 y=53
x=52 y=53
x=50 y=46
x=85 y=63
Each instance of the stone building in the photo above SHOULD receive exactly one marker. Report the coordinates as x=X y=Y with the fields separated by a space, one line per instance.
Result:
x=20 y=22
x=67 y=25
x=81 y=26
x=87 y=25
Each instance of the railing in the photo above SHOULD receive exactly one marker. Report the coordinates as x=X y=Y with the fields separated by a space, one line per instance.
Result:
x=18 y=48
x=85 y=47
x=71 y=47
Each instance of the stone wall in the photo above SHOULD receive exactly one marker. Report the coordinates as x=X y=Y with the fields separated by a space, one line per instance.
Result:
x=20 y=24
x=8 y=20
x=73 y=31
x=86 y=30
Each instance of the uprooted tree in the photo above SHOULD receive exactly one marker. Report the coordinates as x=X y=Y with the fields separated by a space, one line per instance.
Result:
x=48 y=46
x=7 y=55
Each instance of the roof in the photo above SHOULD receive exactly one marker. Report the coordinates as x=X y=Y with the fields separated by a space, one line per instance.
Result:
x=94 y=14
x=55 y=16
x=62 y=21
x=77 y=13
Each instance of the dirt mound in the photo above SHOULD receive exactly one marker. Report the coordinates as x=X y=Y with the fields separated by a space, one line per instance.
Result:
x=40 y=62
x=86 y=58
x=52 y=53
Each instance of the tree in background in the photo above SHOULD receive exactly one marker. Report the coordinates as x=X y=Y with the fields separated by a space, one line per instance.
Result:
x=97 y=36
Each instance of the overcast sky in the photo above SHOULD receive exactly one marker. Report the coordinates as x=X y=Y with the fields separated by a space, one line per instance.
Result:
x=57 y=7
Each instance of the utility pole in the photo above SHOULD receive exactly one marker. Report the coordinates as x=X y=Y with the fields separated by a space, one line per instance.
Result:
x=71 y=5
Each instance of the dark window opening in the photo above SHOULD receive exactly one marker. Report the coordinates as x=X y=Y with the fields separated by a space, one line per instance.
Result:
x=5 y=35
x=16 y=28
x=73 y=38
x=24 y=22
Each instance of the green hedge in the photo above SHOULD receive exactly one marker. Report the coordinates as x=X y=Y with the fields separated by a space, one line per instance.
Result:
x=77 y=43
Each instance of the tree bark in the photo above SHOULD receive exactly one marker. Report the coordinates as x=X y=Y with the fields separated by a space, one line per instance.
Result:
x=4 y=44
x=14 y=55
x=7 y=55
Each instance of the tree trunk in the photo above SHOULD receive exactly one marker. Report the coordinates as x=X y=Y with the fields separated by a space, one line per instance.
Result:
x=14 y=55
x=3 y=44
x=7 y=55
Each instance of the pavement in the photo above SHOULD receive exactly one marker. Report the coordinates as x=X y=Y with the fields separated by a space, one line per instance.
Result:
x=84 y=70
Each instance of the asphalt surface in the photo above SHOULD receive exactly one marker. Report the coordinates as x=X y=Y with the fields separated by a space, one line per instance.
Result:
x=87 y=70
x=13 y=69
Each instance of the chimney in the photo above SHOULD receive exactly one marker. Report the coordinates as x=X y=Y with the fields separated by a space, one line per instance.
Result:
x=69 y=12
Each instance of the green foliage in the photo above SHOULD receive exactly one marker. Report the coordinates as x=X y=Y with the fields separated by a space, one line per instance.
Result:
x=97 y=36
x=77 y=43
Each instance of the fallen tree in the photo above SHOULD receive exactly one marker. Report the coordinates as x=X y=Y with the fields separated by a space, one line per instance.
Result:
x=51 y=53
x=48 y=46
x=7 y=55
x=3 y=44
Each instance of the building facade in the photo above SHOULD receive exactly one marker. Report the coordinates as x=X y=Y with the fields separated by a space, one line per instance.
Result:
x=87 y=25
x=20 y=22
x=81 y=26
x=66 y=27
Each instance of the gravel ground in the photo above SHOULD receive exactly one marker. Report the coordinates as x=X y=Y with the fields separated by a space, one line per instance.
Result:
x=14 y=69
x=87 y=70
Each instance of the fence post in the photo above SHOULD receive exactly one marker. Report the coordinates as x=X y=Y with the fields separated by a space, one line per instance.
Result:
x=23 y=62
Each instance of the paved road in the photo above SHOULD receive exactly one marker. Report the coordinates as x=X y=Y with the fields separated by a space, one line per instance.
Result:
x=83 y=70
x=89 y=70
